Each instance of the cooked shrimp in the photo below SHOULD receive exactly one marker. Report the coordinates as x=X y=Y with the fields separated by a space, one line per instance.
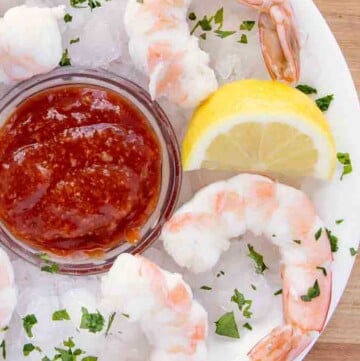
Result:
x=162 y=47
x=202 y=229
x=279 y=39
x=30 y=42
x=7 y=292
x=175 y=324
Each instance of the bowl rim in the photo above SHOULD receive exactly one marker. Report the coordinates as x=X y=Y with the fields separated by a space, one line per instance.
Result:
x=66 y=74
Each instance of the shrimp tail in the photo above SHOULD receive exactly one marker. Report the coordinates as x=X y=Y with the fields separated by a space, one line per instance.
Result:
x=283 y=343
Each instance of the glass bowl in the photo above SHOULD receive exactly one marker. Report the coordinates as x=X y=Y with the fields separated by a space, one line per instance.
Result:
x=171 y=165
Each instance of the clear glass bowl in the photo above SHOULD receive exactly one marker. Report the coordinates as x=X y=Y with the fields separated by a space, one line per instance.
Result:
x=171 y=164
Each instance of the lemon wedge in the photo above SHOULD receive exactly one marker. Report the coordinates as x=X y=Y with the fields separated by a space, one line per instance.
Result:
x=260 y=126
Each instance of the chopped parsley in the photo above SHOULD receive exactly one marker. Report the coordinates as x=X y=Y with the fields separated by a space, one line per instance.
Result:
x=206 y=288
x=243 y=304
x=258 y=258
x=50 y=268
x=224 y=34
x=221 y=273
x=219 y=17
x=247 y=326
x=318 y=234
x=94 y=322
x=192 y=16
x=253 y=287
x=89 y=358
x=3 y=349
x=243 y=39
x=29 y=347
x=4 y=329
x=247 y=25
x=29 y=321
x=339 y=221
x=333 y=240
x=345 y=160
x=45 y=358
x=44 y=256
x=92 y=4
x=226 y=326
x=306 y=89
x=125 y=315
x=74 y=41
x=353 y=251
x=67 y=18
x=65 y=60
x=323 y=270
x=297 y=241
x=110 y=322
x=278 y=292
x=60 y=315
x=324 y=102
x=312 y=293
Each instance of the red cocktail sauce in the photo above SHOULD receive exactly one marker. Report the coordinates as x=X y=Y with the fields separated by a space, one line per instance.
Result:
x=80 y=170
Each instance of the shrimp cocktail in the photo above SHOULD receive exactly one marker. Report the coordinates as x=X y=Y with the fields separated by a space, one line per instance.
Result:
x=178 y=179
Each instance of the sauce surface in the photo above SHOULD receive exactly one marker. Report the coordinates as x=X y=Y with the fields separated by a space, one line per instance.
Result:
x=80 y=170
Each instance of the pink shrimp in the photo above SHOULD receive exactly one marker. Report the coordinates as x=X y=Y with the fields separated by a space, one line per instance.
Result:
x=7 y=292
x=175 y=324
x=202 y=229
x=279 y=38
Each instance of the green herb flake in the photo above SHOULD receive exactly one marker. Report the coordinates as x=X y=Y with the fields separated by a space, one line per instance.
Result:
x=339 y=221
x=243 y=304
x=206 y=288
x=353 y=251
x=323 y=270
x=60 y=315
x=4 y=329
x=253 y=287
x=345 y=160
x=221 y=273
x=77 y=3
x=243 y=39
x=247 y=326
x=52 y=268
x=126 y=315
x=219 y=17
x=318 y=234
x=29 y=321
x=334 y=241
x=89 y=358
x=192 y=16
x=29 y=348
x=65 y=60
x=45 y=358
x=74 y=41
x=109 y=324
x=258 y=259
x=93 y=322
x=247 y=25
x=278 y=292
x=224 y=34
x=324 y=102
x=3 y=349
x=203 y=36
x=306 y=89
x=297 y=241
x=313 y=292
x=226 y=326
x=94 y=4
x=67 y=18
x=69 y=343
x=44 y=256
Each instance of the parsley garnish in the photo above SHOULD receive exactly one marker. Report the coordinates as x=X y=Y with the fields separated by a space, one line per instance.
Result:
x=125 y=315
x=67 y=18
x=243 y=39
x=65 y=60
x=44 y=256
x=74 y=41
x=4 y=329
x=110 y=322
x=324 y=102
x=247 y=25
x=339 y=221
x=45 y=358
x=94 y=322
x=226 y=326
x=323 y=269
x=353 y=251
x=3 y=349
x=53 y=268
x=60 y=315
x=297 y=241
x=206 y=288
x=224 y=34
x=192 y=16
x=333 y=240
x=312 y=293
x=243 y=304
x=248 y=326
x=29 y=322
x=253 y=287
x=89 y=358
x=318 y=234
x=221 y=273
x=92 y=4
x=345 y=160
x=258 y=258
x=306 y=89
x=29 y=347
x=278 y=292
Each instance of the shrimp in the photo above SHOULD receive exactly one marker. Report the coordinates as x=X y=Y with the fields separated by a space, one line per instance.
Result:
x=161 y=46
x=202 y=229
x=279 y=38
x=30 y=42
x=8 y=294
x=175 y=324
